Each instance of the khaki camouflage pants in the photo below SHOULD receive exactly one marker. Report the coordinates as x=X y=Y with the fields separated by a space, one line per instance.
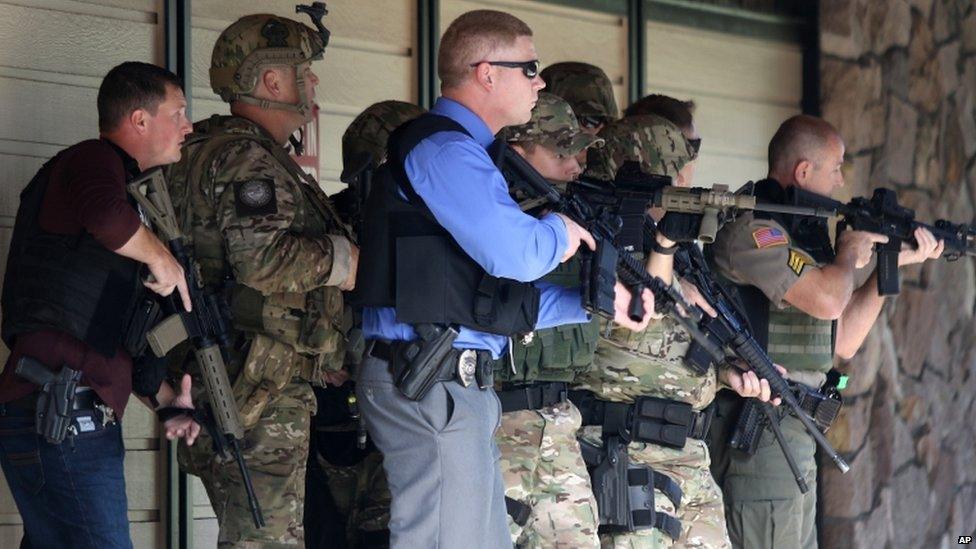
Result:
x=542 y=467
x=701 y=512
x=276 y=450
x=361 y=494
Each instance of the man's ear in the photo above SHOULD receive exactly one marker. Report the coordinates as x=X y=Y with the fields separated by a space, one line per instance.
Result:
x=139 y=121
x=271 y=81
x=482 y=73
x=802 y=171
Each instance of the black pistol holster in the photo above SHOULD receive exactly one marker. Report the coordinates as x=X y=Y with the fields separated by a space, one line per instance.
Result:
x=625 y=493
x=56 y=400
x=417 y=365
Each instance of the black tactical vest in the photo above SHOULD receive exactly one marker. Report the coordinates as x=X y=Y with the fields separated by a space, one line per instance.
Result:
x=69 y=283
x=411 y=263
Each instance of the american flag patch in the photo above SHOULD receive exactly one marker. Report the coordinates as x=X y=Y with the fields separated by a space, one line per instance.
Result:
x=768 y=237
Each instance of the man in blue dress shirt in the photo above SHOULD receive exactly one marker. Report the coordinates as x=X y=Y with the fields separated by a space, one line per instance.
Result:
x=441 y=234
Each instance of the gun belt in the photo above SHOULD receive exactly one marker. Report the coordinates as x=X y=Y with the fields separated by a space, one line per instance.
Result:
x=85 y=399
x=531 y=396
x=648 y=419
x=390 y=352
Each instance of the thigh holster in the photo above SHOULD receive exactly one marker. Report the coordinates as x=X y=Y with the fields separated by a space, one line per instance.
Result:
x=625 y=492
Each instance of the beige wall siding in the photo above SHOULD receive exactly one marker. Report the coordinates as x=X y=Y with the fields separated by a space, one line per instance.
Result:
x=54 y=54
x=563 y=34
x=744 y=89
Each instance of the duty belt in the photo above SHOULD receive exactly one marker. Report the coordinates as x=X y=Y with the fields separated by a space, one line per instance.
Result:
x=467 y=365
x=648 y=419
x=532 y=396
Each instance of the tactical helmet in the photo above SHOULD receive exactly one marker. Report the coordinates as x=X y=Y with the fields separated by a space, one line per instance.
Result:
x=655 y=143
x=364 y=141
x=554 y=126
x=254 y=43
x=585 y=87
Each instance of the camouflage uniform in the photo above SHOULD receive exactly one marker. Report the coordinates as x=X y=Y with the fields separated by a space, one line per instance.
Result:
x=265 y=234
x=541 y=463
x=651 y=363
x=355 y=478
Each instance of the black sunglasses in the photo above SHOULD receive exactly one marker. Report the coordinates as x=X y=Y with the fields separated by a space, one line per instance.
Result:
x=695 y=145
x=529 y=68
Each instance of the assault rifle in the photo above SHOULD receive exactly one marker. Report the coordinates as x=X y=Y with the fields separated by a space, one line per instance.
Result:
x=729 y=329
x=606 y=264
x=632 y=192
x=883 y=215
x=204 y=326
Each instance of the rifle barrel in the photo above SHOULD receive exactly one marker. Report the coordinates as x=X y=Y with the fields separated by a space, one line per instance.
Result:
x=813 y=211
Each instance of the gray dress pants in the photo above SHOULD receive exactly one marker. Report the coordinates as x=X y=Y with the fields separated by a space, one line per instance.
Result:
x=440 y=459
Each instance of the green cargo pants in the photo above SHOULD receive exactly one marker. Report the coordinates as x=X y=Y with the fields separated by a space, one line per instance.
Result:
x=763 y=505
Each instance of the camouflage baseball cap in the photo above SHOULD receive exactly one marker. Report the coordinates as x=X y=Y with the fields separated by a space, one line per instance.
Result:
x=586 y=87
x=554 y=126
x=655 y=143
x=255 y=42
x=365 y=138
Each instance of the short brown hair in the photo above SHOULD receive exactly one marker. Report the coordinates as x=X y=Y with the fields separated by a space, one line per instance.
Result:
x=800 y=137
x=131 y=86
x=471 y=37
x=673 y=110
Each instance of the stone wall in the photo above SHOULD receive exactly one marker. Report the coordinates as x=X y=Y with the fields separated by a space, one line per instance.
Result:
x=898 y=78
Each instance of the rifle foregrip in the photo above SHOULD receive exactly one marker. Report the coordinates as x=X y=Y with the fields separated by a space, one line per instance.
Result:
x=709 y=225
x=636 y=308
x=219 y=393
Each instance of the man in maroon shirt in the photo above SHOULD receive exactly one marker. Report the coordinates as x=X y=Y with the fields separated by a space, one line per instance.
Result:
x=73 y=275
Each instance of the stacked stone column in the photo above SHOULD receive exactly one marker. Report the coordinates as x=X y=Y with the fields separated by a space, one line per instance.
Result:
x=898 y=79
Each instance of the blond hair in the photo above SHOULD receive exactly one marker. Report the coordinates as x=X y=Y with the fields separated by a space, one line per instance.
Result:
x=473 y=36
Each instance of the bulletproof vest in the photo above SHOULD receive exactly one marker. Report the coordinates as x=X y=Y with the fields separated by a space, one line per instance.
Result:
x=69 y=283
x=792 y=338
x=411 y=263
x=311 y=321
x=553 y=354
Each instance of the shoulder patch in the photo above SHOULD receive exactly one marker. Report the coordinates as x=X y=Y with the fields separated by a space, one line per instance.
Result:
x=798 y=260
x=767 y=237
x=255 y=197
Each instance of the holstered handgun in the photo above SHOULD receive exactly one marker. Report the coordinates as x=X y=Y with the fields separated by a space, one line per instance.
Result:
x=625 y=493
x=423 y=362
x=57 y=398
